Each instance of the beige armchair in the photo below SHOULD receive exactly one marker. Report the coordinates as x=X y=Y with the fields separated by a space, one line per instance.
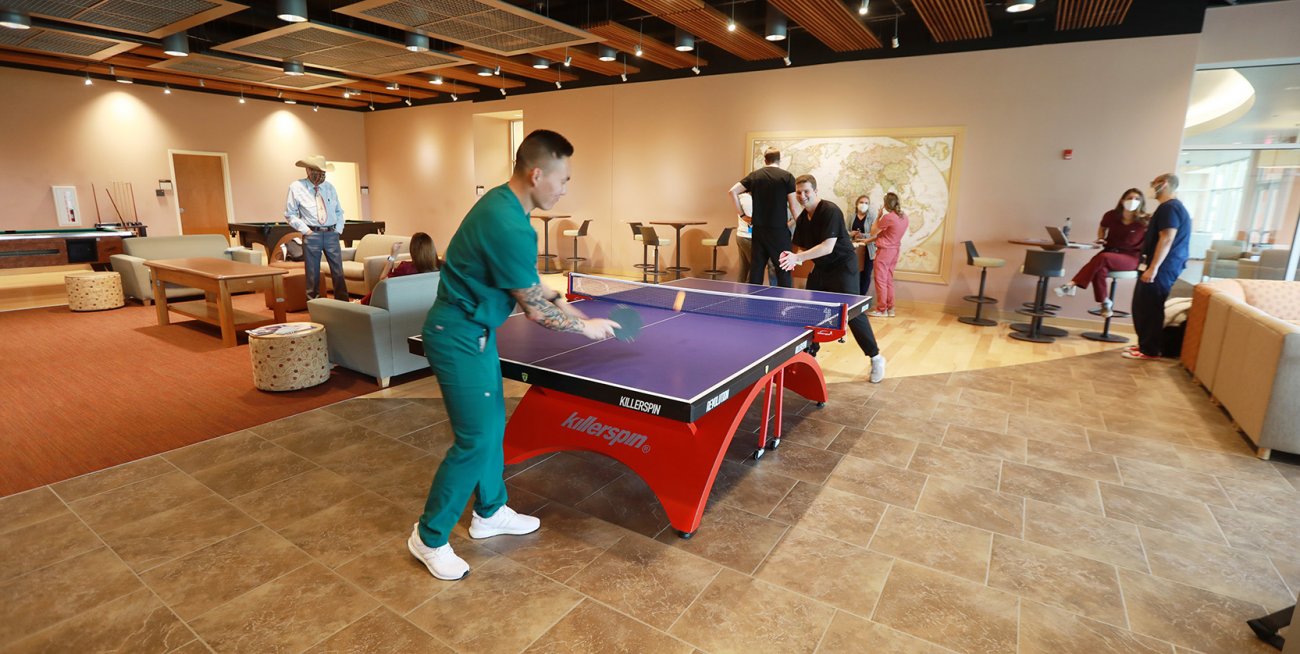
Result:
x=372 y=339
x=1271 y=265
x=364 y=262
x=1222 y=258
x=135 y=276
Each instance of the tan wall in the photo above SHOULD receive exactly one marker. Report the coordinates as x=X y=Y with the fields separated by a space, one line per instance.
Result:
x=1260 y=33
x=670 y=150
x=492 y=156
x=72 y=134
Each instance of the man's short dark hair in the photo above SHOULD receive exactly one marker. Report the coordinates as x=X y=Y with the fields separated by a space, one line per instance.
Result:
x=771 y=156
x=1171 y=179
x=539 y=148
x=806 y=179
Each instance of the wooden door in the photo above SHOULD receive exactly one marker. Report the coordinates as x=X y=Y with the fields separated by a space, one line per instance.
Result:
x=201 y=193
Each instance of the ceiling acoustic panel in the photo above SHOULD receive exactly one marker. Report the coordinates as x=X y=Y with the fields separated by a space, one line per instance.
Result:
x=831 y=22
x=334 y=48
x=153 y=18
x=69 y=44
x=710 y=25
x=1084 y=14
x=242 y=71
x=955 y=20
x=491 y=25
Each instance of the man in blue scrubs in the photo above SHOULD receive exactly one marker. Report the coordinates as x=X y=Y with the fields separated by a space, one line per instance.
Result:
x=491 y=265
x=1164 y=254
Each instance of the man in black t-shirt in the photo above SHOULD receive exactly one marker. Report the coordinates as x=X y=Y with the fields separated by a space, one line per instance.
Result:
x=821 y=235
x=772 y=190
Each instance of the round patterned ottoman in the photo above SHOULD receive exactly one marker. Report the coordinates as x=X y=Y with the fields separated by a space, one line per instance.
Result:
x=289 y=356
x=93 y=291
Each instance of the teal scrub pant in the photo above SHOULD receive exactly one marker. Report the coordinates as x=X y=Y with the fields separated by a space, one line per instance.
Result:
x=470 y=377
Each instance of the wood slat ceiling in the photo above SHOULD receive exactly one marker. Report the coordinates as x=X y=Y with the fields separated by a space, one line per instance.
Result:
x=1083 y=14
x=588 y=61
x=830 y=22
x=624 y=38
x=706 y=23
x=470 y=74
x=955 y=20
x=448 y=85
x=519 y=67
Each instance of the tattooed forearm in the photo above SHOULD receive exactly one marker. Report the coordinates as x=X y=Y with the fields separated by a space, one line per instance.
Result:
x=543 y=312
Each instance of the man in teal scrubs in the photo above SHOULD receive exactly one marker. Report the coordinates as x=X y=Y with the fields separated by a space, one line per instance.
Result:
x=491 y=265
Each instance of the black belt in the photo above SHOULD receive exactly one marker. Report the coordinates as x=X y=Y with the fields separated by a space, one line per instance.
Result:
x=321 y=228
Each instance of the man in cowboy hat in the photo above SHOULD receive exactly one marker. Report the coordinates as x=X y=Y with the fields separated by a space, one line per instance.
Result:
x=313 y=209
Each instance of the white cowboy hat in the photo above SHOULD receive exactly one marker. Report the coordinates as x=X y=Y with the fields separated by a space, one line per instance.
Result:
x=316 y=161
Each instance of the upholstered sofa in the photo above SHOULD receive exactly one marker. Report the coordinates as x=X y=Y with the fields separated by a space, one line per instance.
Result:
x=1271 y=265
x=135 y=276
x=372 y=339
x=1243 y=345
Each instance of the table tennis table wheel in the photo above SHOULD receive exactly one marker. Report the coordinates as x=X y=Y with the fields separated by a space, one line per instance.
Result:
x=841 y=339
x=686 y=535
x=774 y=443
x=821 y=405
x=758 y=454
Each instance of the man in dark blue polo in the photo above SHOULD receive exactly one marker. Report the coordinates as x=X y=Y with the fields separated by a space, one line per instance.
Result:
x=1164 y=256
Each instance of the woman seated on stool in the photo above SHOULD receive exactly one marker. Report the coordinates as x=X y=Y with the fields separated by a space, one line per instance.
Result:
x=1120 y=235
x=423 y=259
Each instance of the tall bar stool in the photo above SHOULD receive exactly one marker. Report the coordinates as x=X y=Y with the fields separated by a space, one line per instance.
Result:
x=1104 y=335
x=973 y=258
x=576 y=234
x=645 y=251
x=652 y=240
x=1044 y=265
x=722 y=241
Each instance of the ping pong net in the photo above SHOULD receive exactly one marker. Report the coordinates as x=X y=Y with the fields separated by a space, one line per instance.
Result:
x=783 y=311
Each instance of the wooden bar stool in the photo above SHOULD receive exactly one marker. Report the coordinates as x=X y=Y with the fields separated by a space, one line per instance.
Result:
x=1104 y=335
x=722 y=241
x=973 y=258
x=1044 y=265
x=652 y=240
x=576 y=234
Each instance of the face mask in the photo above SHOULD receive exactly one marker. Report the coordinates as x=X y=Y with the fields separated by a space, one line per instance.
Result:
x=862 y=208
x=1132 y=205
x=1158 y=188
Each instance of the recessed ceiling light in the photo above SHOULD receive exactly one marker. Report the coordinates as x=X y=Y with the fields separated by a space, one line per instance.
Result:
x=15 y=20
x=541 y=63
x=484 y=72
x=1017 y=6
x=436 y=79
x=417 y=42
x=177 y=45
x=607 y=53
x=776 y=25
x=293 y=68
x=291 y=11
x=685 y=41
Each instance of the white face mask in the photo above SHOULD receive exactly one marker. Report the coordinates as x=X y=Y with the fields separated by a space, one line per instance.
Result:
x=1132 y=205
x=862 y=208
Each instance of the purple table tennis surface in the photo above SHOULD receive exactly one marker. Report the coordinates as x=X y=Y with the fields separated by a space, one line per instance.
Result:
x=681 y=365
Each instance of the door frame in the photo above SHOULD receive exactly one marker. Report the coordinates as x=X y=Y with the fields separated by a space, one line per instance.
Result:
x=225 y=178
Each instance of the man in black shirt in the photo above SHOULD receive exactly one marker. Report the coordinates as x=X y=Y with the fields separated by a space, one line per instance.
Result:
x=772 y=190
x=820 y=233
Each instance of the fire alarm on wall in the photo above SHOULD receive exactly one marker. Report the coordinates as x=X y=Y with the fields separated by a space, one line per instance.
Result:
x=1067 y=154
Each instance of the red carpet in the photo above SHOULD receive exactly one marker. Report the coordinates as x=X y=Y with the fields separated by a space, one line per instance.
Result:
x=84 y=391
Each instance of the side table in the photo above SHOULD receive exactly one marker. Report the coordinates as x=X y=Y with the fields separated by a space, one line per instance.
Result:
x=94 y=291
x=289 y=356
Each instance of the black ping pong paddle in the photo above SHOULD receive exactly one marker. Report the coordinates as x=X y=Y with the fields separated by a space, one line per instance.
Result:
x=629 y=322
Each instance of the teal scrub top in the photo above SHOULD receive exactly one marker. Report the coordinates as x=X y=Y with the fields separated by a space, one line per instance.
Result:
x=493 y=251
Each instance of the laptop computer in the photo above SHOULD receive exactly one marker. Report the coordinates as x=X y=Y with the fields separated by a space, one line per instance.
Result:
x=1059 y=239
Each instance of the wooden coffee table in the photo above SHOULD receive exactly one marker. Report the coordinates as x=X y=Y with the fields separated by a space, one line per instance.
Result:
x=217 y=278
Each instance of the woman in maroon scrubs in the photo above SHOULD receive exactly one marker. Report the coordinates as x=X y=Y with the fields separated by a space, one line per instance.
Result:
x=1120 y=235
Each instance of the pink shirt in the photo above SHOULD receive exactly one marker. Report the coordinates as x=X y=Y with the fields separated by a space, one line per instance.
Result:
x=892 y=229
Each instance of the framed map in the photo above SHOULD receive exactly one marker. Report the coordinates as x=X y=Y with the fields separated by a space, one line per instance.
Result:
x=919 y=164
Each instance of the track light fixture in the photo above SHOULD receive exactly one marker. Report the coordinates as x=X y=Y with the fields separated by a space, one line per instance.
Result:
x=454 y=97
x=786 y=59
x=568 y=60
x=417 y=42
x=777 y=28
x=372 y=106
x=15 y=20
x=695 y=69
x=608 y=53
x=864 y=7
x=503 y=92
x=558 y=85
x=407 y=101
x=88 y=81
x=241 y=96
x=291 y=11
x=315 y=108
x=1017 y=6
x=346 y=94
x=497 y=70
x=293 y=68
x=119 y=79
x=279 y=95
x=789 y=51
x=203 y=84
x=640 y=36
x=685 y=41
x=894 y=42
x=177 y=45
x=624 y=75
x=731 y=24
x=436 y=79
x=167 y=89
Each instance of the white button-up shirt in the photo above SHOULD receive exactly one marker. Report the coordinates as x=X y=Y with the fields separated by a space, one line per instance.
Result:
x=301 y=209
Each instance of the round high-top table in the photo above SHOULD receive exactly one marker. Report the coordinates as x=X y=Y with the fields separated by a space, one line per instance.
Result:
x=1051 y=246
x=677 y=269
x=546 y=256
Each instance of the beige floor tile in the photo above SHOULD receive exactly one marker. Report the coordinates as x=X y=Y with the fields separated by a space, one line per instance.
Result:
x=1190 y=617
x=809 y=432
x=645 y=579
x=136 y=622
x=845 y=576
x=1063 y=395
x=566 y=478
x=1242 y=574
x=207 y=578
x=28 y=508
x=1084 y=416
x=877 y=481
x=1171 y=481
x=731 y=537
x=977 y=507
x=435 y=438
x=849 y=634
x=1051 y=576
x=629 y=503
x=1271 y=498
x=873 y=446
x=947 y=610
x=378 y=632
x=407 y=484
x=317 y=420
x=295 y=498
x=843 y=414
x=920 y=428
x=1134 y=447
x=982 y=399
x=1085 y=534
x=1143 y=426
x=799 y=462
x=47 y=596
x=1049 y=630
x=594 y=629
x=756 y=489
x=337 y=534
x=217 y=451
x=370 y=461
x=953 y=548
x=288 y=614
x=319 y=442
x=1289 y=569
x=404 y=419
x=249 y=473
x=1219 y=464
x=108 y=479
x=738 y=613
x=983 y=382
x=986 y=443
x=1072 y=461
x=958 y=464
x=1051 y=486
x=468 y=615
x=390 y=574
x=140 y=500
x=1259 y=531
x=830 y=512
x=929 y=387
x=567 y=541
x=892 y=406
x=992 y=420
x=1290 y=472
x=358 y=408
x=176 y=532
x=44 y=543
x=1160 y=511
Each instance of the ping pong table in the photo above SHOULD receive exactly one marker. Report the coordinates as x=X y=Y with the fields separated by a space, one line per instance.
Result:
x=668 y=403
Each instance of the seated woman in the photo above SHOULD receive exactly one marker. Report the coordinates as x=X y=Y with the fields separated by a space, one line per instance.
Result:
x=424 y=258
x=1120 y=235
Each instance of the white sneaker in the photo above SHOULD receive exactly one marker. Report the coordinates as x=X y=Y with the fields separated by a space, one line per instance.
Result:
x=891 y=313
x=1066 y=289
x=878 y=314
x=877 y=368
x=504 y=521
x=1106 y=310
x=442 y=562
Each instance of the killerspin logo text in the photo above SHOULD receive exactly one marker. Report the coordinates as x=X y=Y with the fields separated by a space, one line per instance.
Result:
x=612 y=435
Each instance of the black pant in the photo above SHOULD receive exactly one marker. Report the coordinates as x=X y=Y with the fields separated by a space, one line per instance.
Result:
x=843 y=278
x=864 y=277
x=1149 y=314
x=767 y=248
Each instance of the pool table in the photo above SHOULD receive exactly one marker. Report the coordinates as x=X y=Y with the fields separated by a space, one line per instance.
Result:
x=60 y=247
x=268 y=234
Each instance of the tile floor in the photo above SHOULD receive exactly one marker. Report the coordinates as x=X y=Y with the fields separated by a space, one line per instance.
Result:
x=1086 y=505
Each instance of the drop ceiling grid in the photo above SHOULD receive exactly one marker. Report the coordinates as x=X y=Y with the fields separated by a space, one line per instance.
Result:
x=491 y=25
x=334 y=48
